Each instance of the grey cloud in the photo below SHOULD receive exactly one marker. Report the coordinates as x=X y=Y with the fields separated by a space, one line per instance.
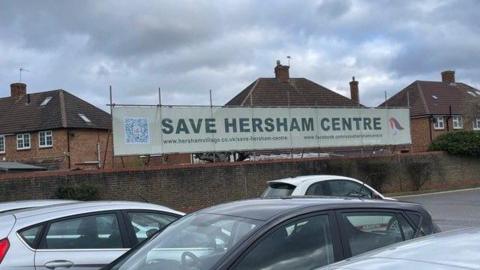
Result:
x=188 y=47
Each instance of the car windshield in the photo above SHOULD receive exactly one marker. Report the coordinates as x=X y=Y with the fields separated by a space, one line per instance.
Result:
x=197 y=242
x=278 y=190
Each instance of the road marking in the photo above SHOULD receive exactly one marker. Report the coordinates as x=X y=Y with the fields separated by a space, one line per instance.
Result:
x=439 y=192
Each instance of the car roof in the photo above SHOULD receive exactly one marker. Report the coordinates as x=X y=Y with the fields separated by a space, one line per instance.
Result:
x=296 y=181
x=7 y=206
x=267 y=209
x=449 y=250
x=58 y=211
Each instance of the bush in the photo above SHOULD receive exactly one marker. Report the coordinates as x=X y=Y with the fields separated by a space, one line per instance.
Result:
x=81 y=193
x=376 y=173
x=420 y=172
x=463 y=143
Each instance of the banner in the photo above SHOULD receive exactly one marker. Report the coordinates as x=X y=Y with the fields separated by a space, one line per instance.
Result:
x=175 y=129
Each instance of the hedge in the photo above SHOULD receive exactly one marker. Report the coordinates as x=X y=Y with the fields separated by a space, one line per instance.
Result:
x=464 y=143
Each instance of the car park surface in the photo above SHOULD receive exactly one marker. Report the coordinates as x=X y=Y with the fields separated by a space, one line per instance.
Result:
x=321 y=185
x=453 y=250
x=289 y=233
x=452 y=209
x=85 y=235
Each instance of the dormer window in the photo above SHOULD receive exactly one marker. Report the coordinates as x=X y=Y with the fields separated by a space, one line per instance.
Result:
x=45 y=101
x=84 y=118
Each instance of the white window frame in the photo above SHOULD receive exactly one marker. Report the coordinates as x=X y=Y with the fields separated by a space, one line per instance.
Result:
x=438 y=122
x=22 y=137
x=44 y=143
x=476 y=123
x=457 y=121
x=3 y=145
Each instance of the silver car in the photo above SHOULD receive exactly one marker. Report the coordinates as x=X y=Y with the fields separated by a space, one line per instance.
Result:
x=75 y=236
x=17 y=205
x=453 y=250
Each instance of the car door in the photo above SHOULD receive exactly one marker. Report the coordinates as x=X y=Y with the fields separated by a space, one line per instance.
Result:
x=84 y=242
x=365 y=230
x=302 y=243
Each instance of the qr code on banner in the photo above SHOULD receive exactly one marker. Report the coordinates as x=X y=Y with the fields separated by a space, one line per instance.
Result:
x=136 y=131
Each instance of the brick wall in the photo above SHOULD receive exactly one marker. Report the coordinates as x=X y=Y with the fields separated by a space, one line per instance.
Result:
x=196 y=186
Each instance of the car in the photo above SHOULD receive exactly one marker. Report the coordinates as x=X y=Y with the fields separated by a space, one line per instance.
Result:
x=84 y=235
x=18 y=205
x=288 y=233
x=321 y=185
x=452 y=250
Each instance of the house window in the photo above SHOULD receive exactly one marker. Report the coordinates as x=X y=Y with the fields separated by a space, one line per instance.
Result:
x=476 y=124
x=45 y=139
x=438 y=122
x=2 y=144
x=457 y=122
x=23 y=141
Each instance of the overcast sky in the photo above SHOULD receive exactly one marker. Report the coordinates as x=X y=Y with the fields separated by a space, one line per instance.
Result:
x=189 y=47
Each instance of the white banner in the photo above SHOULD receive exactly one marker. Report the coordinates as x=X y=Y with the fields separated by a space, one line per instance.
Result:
x=156 y=130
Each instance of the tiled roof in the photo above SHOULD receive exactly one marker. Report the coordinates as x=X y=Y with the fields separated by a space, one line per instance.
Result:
x=265 y=92
x=428 y=98
x=26 y=113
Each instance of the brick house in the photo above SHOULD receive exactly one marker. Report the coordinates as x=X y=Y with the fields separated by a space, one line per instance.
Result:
x=285 y=91
x=437 y=107
x=54 y=128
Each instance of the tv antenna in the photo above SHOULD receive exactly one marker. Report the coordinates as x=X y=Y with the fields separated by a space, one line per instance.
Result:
x=20 y=70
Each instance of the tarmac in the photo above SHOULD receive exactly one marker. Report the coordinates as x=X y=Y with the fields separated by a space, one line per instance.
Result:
x=450 y=210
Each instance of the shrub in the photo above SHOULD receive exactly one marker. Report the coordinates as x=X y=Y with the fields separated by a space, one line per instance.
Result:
x=82 y=192
x=376 y=173
x=419 y=172
x=464 y=143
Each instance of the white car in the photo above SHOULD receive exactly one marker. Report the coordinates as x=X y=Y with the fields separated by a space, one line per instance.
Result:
x=321 y=185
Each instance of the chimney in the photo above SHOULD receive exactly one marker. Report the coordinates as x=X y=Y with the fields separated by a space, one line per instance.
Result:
x=18 y=89
x=354 y=91
x=448 y=76
x=281 y=72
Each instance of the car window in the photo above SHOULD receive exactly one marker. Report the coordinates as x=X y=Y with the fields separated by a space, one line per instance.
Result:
x=30 y=235
x=278 y=190
x=320 y=189
x=87 y=232
x=302 y=244
x=365 y=231
x=147 y=224
x=348 y=188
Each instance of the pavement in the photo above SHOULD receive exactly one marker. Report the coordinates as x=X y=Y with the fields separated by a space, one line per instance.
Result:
x=451 y=210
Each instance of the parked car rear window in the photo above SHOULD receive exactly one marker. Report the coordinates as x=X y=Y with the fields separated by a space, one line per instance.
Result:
x=30 y=235
x=369 y=230
x=278 y=190
x=147 y=224
x=96 y=231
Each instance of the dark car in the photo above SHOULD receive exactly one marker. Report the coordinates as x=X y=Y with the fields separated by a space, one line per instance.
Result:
x=288 y=233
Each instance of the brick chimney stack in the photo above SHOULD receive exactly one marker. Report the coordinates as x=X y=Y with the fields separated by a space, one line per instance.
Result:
x=354 y=95
x=448 y=76
x=281 y=72
x=18 y=89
